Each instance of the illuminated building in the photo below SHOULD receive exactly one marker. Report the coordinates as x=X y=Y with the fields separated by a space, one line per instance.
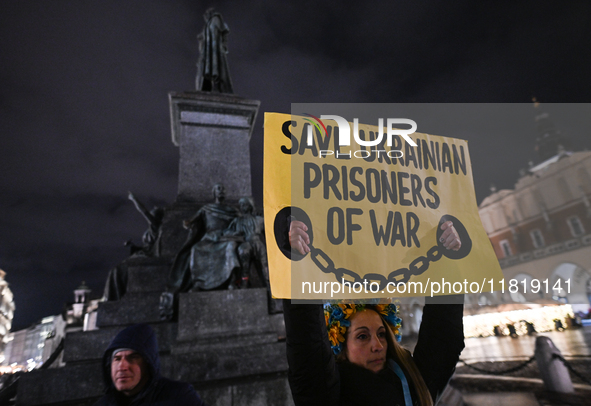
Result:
x=541 y=230
x=29 y=348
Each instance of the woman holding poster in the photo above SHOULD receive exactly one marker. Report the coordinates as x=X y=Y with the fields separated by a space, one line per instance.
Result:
x=348 y=354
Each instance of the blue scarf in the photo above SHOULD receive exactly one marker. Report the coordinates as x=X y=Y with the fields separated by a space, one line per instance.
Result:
x=405 y=389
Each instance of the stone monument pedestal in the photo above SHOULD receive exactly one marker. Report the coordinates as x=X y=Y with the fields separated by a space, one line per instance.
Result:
x=226 y=334
x=212 y=131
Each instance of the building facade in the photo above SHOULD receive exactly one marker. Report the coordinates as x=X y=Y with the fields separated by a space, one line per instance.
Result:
x=29 y=348
x=541 y=232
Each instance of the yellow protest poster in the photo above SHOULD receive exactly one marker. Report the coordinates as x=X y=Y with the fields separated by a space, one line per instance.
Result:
x=373 y=212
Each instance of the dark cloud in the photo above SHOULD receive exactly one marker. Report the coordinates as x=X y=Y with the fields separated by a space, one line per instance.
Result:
x=84 y=109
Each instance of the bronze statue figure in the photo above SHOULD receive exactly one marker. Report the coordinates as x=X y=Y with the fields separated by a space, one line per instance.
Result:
x=213 y=73
x=251 y=228
x=208 y=259
x=253 y=249
x=116 y=284
x=151 y=237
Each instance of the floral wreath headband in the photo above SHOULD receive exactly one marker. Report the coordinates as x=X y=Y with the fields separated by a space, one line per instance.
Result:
x=337 y=321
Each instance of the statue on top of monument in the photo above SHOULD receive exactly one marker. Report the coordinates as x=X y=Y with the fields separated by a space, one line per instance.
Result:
x=213 y=73
x=208 y=259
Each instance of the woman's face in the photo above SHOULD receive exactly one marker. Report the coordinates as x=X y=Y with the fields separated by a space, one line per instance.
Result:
x=365 y=341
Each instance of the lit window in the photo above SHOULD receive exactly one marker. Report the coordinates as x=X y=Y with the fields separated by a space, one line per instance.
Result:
x=576 y=227
x=506 y=248
x=537 y=238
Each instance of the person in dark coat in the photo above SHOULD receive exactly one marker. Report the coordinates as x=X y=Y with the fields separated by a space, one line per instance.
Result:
x=348 y=354
x=131 y=372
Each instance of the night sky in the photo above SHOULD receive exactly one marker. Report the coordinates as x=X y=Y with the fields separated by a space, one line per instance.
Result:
x=84 y=114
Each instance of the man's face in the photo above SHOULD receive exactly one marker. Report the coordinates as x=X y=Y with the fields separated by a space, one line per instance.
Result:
x=219 y=192
x=129 y=372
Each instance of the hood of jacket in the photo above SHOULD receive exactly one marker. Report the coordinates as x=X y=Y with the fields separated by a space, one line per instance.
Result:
x=140 y=338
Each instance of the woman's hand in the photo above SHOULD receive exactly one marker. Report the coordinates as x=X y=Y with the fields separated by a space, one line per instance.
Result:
x=299 y=238
x=450 y=237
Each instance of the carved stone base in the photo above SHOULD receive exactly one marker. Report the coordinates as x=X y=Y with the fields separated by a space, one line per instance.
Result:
x=212 y=129
x=225 y=344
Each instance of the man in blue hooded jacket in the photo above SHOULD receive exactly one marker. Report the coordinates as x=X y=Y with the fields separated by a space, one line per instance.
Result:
x=131 y=371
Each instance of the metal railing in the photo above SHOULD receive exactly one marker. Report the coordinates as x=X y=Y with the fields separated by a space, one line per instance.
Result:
x=521 y=366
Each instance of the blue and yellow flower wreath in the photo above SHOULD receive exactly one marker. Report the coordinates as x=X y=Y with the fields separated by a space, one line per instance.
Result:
x=337 y=320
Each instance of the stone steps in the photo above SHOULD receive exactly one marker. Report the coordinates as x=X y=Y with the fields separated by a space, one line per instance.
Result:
x=90 y=345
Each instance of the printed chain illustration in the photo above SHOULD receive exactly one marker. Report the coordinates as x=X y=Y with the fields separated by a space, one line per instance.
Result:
x=434 y=254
